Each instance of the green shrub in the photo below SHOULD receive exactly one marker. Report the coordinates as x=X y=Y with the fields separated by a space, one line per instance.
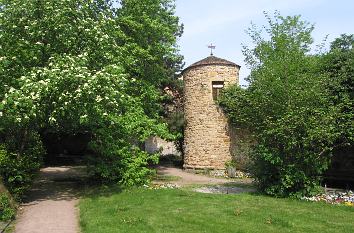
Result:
x=7 y=211
x=287 y=174
x=287 y=108
x=126 y=166
x=20 y=161
x=116 y=160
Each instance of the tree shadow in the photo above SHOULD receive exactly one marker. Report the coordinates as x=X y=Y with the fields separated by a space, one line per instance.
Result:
x=65 y=183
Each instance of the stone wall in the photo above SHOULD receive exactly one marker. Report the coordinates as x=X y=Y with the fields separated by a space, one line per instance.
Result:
x=241 y=142
x=207 y=135
x=156 y=144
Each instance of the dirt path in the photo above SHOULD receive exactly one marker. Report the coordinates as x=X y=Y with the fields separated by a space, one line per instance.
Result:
x=51 y=204
x=188 y=178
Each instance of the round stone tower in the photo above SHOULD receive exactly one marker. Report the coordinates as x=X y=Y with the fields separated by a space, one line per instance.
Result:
x=207 y=134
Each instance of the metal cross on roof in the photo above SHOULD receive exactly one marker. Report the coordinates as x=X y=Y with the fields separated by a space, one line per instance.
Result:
x=211 y=47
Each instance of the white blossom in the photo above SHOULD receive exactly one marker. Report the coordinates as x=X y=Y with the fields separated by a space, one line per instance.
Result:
x=98 y=99
x=52 y=119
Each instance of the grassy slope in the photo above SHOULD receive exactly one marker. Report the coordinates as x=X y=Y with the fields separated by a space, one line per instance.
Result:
x=142 y=210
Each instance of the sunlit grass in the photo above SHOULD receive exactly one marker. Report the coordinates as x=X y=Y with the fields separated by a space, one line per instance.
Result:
x=145 y=210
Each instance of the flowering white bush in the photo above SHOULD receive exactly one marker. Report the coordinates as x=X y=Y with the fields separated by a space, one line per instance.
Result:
x=83 y=66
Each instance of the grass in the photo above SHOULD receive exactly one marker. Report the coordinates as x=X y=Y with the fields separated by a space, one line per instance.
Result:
x=8 y=227
x=171 y=211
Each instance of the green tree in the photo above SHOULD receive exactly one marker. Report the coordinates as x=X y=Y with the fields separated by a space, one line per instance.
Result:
x=85 y=66
x=338 y=66
x=150 y=49
x=286 y=106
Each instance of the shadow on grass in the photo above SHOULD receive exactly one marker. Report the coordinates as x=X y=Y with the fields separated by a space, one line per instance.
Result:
x=96 y=190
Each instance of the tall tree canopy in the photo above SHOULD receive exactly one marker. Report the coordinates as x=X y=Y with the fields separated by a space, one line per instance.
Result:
x=85 y=66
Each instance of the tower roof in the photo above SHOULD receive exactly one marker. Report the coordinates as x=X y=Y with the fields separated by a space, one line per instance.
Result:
x=211 y=60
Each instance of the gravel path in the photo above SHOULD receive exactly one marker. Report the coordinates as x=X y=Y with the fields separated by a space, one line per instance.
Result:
x=51 y=204
x=188 y=178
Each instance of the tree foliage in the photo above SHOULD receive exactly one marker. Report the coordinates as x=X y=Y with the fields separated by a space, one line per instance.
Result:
x=86 y=66
x=287 y=106
x=338 y=66
x=20 y=159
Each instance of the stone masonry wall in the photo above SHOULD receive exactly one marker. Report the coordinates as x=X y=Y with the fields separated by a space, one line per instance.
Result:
x=156 y=144
x=207 y=136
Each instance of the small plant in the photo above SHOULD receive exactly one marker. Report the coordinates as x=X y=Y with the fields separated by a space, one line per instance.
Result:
x=231 y=168
x=230 y=163
x=269 y=220
x=238 y=212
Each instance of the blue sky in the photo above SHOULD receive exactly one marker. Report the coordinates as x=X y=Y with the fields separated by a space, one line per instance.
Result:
x=223 y=23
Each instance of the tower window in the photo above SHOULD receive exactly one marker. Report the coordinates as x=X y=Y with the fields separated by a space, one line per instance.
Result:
x=217 y=87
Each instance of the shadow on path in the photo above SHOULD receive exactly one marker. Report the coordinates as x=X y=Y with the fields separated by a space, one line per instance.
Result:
x=50 y=205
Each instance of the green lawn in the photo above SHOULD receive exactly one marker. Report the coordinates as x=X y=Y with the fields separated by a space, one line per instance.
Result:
x=144 y=210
